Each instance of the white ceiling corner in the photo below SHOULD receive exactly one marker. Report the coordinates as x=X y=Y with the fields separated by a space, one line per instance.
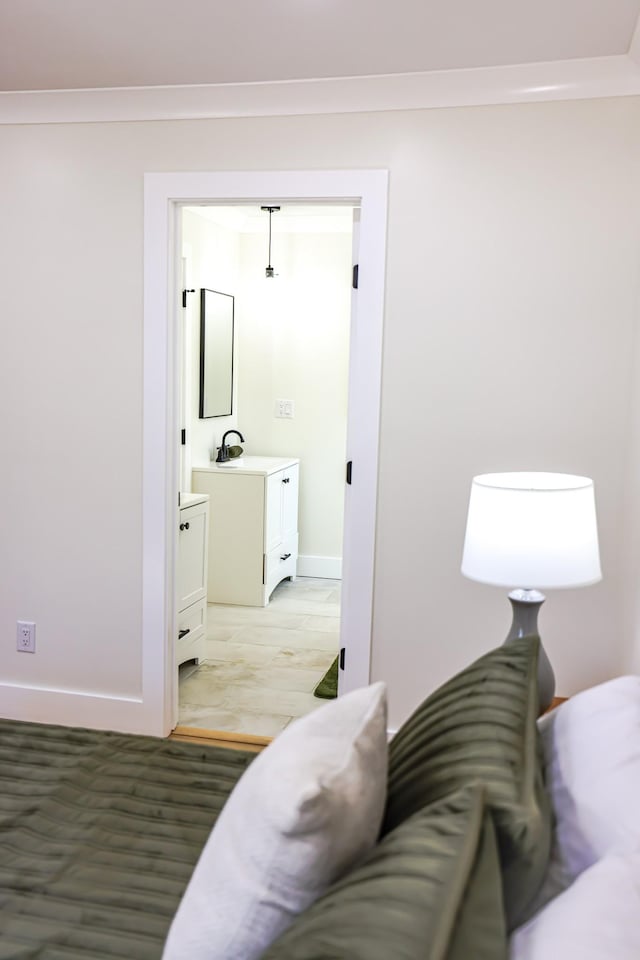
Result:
x=291 y=217
x=634 y=46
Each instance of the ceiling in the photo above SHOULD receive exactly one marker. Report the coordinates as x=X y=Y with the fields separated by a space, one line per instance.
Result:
x=290 y=218
x=79 y=44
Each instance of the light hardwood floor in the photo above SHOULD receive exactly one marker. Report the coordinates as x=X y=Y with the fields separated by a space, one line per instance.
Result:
x=263 y=663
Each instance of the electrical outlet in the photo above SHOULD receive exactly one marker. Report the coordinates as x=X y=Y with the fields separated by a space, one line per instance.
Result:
x=285 y=409
x=26 y=636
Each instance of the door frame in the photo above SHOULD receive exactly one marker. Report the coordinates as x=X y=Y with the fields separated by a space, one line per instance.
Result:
x=164 y=194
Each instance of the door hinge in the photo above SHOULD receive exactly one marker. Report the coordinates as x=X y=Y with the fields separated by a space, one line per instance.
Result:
x=354 y=276
x=349 y=470
x=184 y=296
x=342 y=656
x=183 y=437
x=264 y=564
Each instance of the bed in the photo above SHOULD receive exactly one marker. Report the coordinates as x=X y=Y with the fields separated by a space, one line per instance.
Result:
x=99 y=834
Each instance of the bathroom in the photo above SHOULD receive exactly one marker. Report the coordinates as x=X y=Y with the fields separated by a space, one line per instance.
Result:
x=258 y=665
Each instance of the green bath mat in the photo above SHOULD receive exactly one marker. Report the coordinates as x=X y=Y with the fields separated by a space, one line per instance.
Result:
x=328 y=686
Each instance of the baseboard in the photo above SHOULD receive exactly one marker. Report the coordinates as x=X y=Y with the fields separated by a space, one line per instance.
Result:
x=71 y=708
x=325 y=568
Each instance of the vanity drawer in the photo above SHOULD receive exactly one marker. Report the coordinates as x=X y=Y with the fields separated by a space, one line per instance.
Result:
x=281 y=562
x=193 y=619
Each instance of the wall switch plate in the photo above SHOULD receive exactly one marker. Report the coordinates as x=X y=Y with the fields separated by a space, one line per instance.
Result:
x=26 y=636
x=285 y=409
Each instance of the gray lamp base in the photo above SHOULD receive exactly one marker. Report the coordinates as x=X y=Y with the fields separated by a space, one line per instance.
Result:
x=525 y=605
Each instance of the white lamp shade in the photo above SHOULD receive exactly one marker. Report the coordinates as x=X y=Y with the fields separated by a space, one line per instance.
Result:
x=532 y=530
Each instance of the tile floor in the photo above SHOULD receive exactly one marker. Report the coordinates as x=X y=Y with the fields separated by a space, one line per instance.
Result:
x=262 y=663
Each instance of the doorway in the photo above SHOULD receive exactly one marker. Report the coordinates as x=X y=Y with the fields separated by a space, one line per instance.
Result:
x=164 y=194
x=268 y=295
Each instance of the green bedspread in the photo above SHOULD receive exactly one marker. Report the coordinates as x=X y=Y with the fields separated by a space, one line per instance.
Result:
x=99 y=833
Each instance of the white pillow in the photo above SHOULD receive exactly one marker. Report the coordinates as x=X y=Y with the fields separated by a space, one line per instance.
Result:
x=592 y=756
x=595 y=919
x=303 y=813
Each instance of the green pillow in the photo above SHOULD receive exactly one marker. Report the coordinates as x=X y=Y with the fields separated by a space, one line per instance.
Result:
x=481 y=727
x=431 y=890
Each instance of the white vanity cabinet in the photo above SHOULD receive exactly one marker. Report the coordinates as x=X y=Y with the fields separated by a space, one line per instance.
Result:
x=253 y=533
x=193 y=538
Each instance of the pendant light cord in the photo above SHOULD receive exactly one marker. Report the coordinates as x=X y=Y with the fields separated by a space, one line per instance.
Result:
x=270 y=210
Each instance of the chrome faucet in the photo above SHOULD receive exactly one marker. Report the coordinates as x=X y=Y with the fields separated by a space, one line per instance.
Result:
x=223 y=449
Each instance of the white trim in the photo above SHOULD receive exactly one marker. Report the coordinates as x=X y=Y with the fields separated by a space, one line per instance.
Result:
x=363 y=414
x=71 y=708
x=163 y=193
x=329 y=568
x=614 y=76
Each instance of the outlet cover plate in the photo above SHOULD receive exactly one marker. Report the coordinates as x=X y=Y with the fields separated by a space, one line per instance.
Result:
x=26 y=636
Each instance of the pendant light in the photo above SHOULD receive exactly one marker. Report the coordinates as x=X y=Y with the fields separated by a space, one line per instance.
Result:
x=269 y=271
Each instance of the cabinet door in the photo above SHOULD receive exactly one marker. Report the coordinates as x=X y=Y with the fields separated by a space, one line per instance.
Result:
x=192 y=555
x=273 y=516
x=281 y=514
x=289 y=502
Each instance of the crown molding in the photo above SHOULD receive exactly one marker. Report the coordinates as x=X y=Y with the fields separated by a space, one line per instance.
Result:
x=615 y=76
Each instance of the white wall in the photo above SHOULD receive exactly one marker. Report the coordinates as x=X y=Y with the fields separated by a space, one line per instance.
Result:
x=293 y=339
x=511 y=308
x=213 y=264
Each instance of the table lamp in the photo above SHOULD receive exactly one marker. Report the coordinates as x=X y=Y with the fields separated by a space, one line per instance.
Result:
x=532 y=531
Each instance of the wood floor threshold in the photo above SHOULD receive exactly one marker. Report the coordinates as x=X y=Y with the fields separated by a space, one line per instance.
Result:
x=221 y=738
x=556 y=703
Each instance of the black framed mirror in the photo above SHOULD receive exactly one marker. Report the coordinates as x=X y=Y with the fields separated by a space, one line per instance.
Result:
x=216 y=353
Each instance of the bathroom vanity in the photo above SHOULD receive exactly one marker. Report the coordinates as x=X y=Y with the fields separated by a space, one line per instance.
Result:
x=193 y=538
x=253 y=528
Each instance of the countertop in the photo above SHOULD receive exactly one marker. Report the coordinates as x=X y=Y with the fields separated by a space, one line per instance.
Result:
x=191 y=499
x=260 y=466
